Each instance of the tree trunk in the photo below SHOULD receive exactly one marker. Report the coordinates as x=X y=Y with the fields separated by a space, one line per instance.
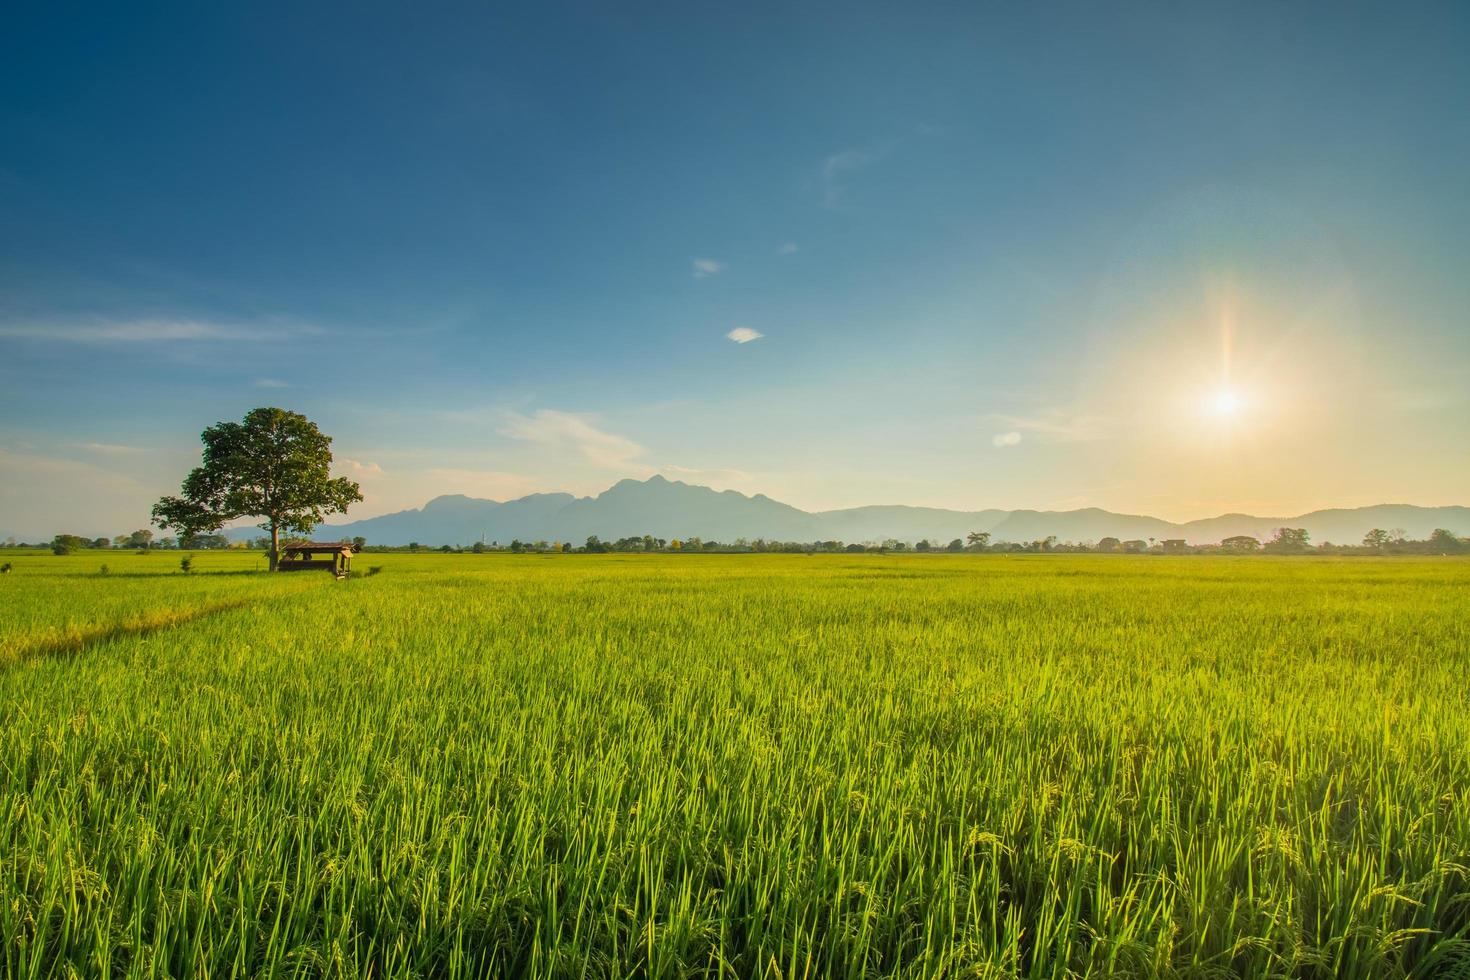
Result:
x=275 y=546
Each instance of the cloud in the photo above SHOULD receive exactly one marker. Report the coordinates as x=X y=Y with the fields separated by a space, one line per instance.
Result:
x=109 y=448
x=744 y=335
x=1057 y=425
x=789 y=248
x=1004 y=439
x=147 y=331
x=704 y=268
x=563 y=430
x=358 y=469
x=270 y=383
x=845 y=162
x=837 y=170
x=719 y=479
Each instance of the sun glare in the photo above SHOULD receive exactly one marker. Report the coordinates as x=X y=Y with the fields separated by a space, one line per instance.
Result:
x=1225 y=403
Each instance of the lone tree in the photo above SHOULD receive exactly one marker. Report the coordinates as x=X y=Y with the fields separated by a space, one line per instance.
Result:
x=275 y=465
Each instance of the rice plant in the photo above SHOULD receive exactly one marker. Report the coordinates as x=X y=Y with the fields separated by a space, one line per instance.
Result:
x=738 y=766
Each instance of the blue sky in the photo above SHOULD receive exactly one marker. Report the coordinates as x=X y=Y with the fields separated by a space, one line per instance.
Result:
x=994 y=257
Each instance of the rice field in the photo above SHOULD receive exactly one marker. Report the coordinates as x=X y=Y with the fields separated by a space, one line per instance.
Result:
x=736 y=766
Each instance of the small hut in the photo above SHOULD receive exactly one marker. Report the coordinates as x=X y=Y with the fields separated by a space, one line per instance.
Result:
x=336 y=557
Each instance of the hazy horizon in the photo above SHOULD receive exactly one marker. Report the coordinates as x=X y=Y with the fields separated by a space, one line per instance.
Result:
x=1175 y=263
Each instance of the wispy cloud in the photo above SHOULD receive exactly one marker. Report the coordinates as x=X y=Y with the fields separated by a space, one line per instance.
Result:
x=788 y=248
x=270 y=383
x=704 y=268
x=565 y=431
x=148 y=331
x=1056 y=425
x=1004 y=439
x=744 y=335
x=719 y=479
x=109 y=448
x=837 y=171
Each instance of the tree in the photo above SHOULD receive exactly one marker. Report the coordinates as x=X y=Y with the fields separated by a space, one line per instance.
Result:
x=359 y=543
x=1445 y=542
x=956 y=545
x=923 y=545
x=101 y=544
x=204 y=542
x=478 y=548
x=1240 y=543
x=143 y=538
x=1289 y=539
x=275 y=465
x=65 y=544
x=1375 y=539
x=978 y=540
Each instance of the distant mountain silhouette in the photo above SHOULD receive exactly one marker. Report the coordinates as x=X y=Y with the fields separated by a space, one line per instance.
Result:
x=671 y=509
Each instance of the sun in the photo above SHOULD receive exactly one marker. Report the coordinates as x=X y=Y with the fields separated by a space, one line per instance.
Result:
x=1226 y=403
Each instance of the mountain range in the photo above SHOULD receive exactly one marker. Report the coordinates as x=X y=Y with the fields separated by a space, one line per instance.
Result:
x=672 y=509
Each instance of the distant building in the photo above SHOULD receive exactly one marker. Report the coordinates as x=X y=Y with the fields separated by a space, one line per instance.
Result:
x=1175 y=546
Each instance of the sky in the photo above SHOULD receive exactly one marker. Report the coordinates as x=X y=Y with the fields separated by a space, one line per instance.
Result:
x=1174 y=259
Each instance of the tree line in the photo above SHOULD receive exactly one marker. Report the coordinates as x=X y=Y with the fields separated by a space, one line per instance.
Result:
x=1284 y=541
x=140 y=540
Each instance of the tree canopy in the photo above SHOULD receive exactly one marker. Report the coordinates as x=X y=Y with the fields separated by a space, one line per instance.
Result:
x=275 y=465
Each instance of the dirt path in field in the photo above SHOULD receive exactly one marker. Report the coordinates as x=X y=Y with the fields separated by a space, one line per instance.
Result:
x=76 y=640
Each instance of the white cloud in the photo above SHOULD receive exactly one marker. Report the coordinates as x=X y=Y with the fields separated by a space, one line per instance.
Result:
x=789 y=248
x=1003 y=439
x=269 y=383
x=108 y=448
x=357 y=469
x=563 y=430
x=719 y=479
x=1057 y=425
x=744 y=335
x=704 y=268
x=148 y=331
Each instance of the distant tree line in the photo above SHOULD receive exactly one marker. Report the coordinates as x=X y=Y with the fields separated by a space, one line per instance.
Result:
x=140 y=540
x=1286 y=541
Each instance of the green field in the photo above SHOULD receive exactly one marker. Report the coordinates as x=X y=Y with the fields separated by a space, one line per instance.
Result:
x=742 y=766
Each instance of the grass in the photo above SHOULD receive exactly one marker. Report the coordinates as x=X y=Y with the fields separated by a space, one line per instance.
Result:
x=745 y=766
